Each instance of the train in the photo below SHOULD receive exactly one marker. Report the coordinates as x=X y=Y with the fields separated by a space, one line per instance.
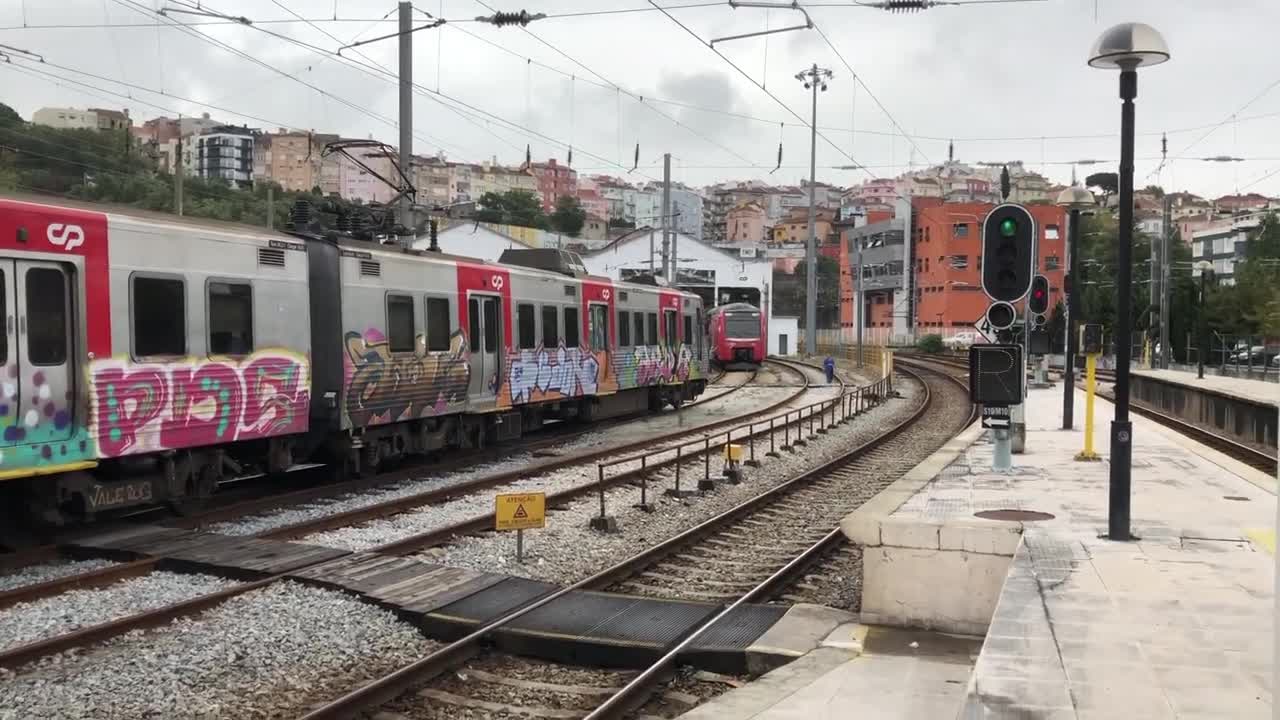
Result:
x=147 y=358
x=738 y=333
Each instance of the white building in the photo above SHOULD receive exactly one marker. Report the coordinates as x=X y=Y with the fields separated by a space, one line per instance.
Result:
x=66 y=118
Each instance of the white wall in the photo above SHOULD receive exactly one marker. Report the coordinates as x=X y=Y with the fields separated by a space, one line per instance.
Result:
x=783 y=325
x=470 y=240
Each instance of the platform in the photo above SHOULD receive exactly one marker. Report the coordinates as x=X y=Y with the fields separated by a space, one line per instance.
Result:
x=1178 y=624
x=1258 y=391
x=1242 y=411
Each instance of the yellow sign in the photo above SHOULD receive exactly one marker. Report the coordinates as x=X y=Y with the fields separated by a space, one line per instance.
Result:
x=520 y=511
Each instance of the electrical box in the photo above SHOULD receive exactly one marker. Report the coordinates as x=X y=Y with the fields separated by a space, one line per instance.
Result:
x=996 y=373
x=1039 y=342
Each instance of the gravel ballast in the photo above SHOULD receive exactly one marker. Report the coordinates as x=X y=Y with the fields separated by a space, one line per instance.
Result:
x=567 y=549
x=74 y=609
x=35 y=574
x=276 y=652
x=741 y=402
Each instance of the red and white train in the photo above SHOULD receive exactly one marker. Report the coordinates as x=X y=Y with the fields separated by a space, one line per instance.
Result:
x=147 y=357
x=738 y=334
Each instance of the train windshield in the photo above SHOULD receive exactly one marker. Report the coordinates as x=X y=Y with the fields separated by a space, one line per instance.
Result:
x=742 y=324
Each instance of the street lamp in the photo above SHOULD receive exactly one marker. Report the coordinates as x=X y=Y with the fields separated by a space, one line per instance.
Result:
x=814 y=78
x=1073 y=199
x=1206 y=273
x=1125 y=47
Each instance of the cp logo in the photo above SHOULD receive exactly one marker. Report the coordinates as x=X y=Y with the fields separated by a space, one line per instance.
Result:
x=67 y=237
x=605 y=293
x=496 y=282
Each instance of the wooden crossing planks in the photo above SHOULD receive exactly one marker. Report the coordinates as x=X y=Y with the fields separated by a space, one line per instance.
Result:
x=204 y=551
x=400 y=582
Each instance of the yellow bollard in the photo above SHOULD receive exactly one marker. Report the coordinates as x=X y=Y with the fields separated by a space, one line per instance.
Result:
x=1090 y=388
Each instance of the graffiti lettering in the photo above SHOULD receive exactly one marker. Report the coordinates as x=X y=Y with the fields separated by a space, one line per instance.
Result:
x=567 y=372
x=654 y=366
x=106 y=496
x=384 y=388
x=191 y=403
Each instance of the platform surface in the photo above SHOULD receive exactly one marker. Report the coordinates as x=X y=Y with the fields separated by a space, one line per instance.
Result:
x=1258 y=391
x=1178 y=624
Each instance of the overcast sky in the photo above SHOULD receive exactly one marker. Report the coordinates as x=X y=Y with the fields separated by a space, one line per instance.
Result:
x=1006 y=81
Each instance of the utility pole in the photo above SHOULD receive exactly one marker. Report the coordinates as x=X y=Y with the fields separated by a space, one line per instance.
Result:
x=1165 y=290
x=406 y=110
x=669 y=262
x=178 y=172
x=813 y=78
x=861 y=299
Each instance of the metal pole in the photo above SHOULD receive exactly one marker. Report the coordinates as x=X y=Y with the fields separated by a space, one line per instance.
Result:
x=668 y=261
x=1121 y=428
x=664 y=257
x=1204 y=325
x=811 y=252
x=1073 y=315
x=858 y=315
x=178 y=172
x=1166 y=292
x=406 y=106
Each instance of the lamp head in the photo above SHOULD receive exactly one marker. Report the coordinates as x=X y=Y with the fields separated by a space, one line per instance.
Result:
x=1128 y=46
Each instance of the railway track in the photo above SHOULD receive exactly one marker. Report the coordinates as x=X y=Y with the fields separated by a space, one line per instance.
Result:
x=691 y=567
x=1254 y=457
x=16 y=656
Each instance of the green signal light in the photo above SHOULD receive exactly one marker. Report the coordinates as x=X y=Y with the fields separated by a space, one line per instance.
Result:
x=1008 y=227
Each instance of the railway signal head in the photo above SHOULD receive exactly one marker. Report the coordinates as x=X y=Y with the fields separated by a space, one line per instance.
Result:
x=1008 y=245
x=1001 y=316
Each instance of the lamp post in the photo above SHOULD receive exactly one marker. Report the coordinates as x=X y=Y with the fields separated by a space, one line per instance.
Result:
x=1074 y=199
x=1206 y=273
x=814 y=78
x=1125 y=47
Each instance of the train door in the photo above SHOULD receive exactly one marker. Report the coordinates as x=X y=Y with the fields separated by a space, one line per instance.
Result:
x=38 y=381
x=669 y=329
x=485 y=335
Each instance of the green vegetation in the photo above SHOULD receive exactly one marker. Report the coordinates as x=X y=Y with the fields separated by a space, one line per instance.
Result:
x=569 y=217
x=931 y=343
x=105 y=166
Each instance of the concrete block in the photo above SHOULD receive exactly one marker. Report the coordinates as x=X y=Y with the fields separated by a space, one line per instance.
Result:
x=931 y=589
x=909 y=534
x=802 y=629
x=862 y=528
x=985 y=538
x=773 y=688
x=849 y=636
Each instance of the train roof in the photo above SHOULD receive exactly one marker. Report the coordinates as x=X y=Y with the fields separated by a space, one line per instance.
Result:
x=735 y=307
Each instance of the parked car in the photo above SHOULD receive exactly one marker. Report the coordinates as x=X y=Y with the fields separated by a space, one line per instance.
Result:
x=960 y=341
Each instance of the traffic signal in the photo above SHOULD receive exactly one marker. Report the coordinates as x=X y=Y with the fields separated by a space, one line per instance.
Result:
x=1091 y=339
x=1001 y=316
x=1038 y=300
x=1008 y=249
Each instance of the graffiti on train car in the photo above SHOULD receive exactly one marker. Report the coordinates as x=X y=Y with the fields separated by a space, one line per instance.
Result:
x=46 y=434
x=193 y=402
x=539 y=374
x=655 y=365
x=384 y=387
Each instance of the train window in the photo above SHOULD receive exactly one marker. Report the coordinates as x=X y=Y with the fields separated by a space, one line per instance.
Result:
x=639 y=318
x=624 y=328
x=438 y=324
x=46 y=316
x=688 y=329
x=702 y=328
x=4 y=313
x=473 y=324
x=550 y=327
x=652 y=332
x=400 y=324
x=526 y=325
x=159 y=316
x=571 y=327
x=230 y=318
x=669 y=320
x=598 y=322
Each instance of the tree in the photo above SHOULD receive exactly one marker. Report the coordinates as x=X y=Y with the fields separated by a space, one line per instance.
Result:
x=513 y=207
x=1108 y=184
x=569 y=217
x=9 y=116
x=1154 y=190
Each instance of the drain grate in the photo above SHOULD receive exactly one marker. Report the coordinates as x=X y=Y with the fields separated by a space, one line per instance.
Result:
x=1010 y=515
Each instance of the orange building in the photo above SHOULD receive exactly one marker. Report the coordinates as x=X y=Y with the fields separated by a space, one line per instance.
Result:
x=947 y=254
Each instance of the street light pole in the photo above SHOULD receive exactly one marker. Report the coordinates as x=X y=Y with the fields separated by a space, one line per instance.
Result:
x=1206 y=271
x=1126 y=47
x=813 y=79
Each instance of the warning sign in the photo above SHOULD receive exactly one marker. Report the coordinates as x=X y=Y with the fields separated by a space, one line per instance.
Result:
x=520 y=511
